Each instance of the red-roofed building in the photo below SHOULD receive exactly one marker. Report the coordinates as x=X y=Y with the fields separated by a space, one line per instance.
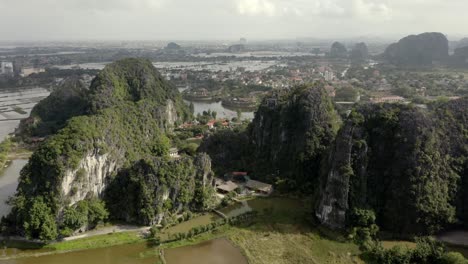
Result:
x=211 y=123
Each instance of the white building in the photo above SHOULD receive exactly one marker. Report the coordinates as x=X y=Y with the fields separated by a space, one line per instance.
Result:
x=329 y=76
x=6 y=68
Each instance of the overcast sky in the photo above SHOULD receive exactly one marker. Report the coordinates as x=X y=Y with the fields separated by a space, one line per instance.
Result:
x=227 y=19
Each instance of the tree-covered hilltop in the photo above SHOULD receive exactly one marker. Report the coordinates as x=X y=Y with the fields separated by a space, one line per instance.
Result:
x=69 y=99
x=133 y=80
x=418 y=50
x=130 y=110
x=338 y=50
x=128 y=80
x=290 y=134
x=405 y=163
x=152 y=189
x=285 y=142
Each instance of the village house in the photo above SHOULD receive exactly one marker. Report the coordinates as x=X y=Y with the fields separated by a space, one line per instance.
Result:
x=236 y=176
x=259 y=187
x=226 y=187
x=211 y=124
x=174 y=153
x=388 y=99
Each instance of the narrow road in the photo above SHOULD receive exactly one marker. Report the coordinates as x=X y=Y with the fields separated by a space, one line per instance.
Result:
x=458 y=238
x=107 y=230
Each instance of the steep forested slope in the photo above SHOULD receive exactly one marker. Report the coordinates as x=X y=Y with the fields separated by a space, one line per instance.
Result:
x=130 y=108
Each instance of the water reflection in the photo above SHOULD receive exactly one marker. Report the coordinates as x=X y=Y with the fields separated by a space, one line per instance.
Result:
x=8 y=183
x=221 y=110
x=218 y=251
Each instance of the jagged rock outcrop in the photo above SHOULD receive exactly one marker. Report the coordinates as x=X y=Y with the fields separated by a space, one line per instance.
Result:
x=291 y=132
x=130 y=108
x=396 y=160
x=153 y=189
x=90 y=179
x=285 y=142
x=338 y=50
x=462 y=43
x=333 y=204
x=236 y=48
x=460 y=57
x=173 y=46
x=359 y=53
x=418 y=50
x=69 y=99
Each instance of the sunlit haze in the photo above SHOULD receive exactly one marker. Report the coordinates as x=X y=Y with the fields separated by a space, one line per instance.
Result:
x=227 y=19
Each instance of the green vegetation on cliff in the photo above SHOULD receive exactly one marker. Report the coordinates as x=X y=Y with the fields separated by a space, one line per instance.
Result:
x=406 y=163
x=131 y=108
x=50 y=115
x=285 y=143
x=418 y=50
x=157 y=187
x=5 y=147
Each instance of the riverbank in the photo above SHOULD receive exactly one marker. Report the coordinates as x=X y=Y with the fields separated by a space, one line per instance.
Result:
x=279 y=234
x=10 y=151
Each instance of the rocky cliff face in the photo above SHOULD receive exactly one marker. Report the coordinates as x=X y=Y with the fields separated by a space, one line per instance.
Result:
x=291 y=133
x=333 y=205
x=460 y=57
x=155 y=189
x=392 y=159
x=338 y=50
x=418 y=50
x=90 y=179
x=69 y=99
x=130 y=108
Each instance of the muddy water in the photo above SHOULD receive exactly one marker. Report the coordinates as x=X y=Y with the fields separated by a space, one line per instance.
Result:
x=128 y=254
x=22 y=98
x=218 y=251
x=8 y=183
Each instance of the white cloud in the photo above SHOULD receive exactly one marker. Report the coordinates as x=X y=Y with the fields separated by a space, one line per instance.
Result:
x=371 y=10
x=195 y=19
x=256 y=7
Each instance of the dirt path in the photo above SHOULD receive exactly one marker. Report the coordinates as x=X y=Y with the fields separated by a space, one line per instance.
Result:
x=107 y=230
x=459 y=238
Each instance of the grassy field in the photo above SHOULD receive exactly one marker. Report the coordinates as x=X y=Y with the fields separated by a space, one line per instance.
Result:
x=280 y=235
x=100 y=241
x=283 y=243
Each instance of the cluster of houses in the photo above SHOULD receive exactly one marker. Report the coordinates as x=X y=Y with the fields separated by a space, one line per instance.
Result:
x=210 y=124
x=241 y=184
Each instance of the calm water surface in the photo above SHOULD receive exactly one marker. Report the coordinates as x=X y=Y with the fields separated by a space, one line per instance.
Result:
x=8 y=183
x=23 y=98
x=218 y=251
x=222 y=112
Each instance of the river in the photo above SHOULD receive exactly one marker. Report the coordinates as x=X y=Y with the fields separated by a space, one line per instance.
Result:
x=222 y=111
x=8 y=183
x=218 y=251
x=16 y=104
x=225 y=66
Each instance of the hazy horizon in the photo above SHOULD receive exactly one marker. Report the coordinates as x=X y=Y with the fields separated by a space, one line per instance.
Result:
x=215 y=20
